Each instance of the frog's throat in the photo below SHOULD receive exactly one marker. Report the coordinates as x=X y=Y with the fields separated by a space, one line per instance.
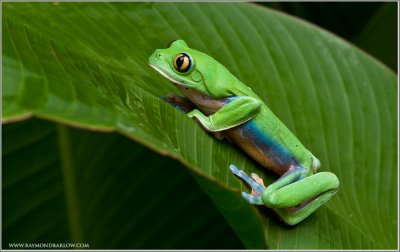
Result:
x=168 y=77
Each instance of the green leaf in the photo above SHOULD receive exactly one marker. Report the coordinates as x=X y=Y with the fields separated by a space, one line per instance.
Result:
x=86 y=65
x=63 y=184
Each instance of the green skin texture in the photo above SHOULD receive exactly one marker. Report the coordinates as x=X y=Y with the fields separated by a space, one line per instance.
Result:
x=207 y=85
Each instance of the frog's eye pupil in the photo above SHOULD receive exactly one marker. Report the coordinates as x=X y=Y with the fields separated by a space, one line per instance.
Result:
x=182 y=63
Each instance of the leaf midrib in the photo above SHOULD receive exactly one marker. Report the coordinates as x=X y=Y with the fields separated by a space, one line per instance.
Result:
x=70 y=184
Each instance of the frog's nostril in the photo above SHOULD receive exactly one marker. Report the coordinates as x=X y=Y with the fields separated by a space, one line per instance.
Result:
x=159 y=55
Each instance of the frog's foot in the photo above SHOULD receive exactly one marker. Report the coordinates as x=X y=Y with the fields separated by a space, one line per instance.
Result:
x=179 y=102
x=255 y=182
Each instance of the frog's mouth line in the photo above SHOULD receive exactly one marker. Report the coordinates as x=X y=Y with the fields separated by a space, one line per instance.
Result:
x=166 y=76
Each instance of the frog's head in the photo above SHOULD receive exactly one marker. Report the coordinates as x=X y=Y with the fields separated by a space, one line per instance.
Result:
x=181 y=65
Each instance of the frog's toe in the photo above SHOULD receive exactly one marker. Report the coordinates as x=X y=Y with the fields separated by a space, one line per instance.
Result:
x=258 y=179
x=257 y=187
x=233 y=169
x=252 y=199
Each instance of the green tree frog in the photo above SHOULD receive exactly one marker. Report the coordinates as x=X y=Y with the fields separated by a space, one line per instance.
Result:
x=225 y=106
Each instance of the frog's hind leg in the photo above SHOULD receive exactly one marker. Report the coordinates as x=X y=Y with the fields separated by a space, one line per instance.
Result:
x=294 y=196
x=294 y=215
x=256 y=184
x=295 y=201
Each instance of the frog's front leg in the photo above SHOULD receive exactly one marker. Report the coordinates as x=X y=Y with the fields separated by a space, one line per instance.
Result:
x=294 y=196
x=179 y=102
x=237 y=111
x=184 y=105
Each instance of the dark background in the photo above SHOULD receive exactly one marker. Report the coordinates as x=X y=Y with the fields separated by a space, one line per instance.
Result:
x=370 y=26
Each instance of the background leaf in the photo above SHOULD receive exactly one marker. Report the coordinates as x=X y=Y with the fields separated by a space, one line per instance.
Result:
x=85 y=65
x=62 y=184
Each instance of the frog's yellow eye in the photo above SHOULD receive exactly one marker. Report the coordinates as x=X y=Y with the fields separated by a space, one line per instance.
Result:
x=183 y=62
